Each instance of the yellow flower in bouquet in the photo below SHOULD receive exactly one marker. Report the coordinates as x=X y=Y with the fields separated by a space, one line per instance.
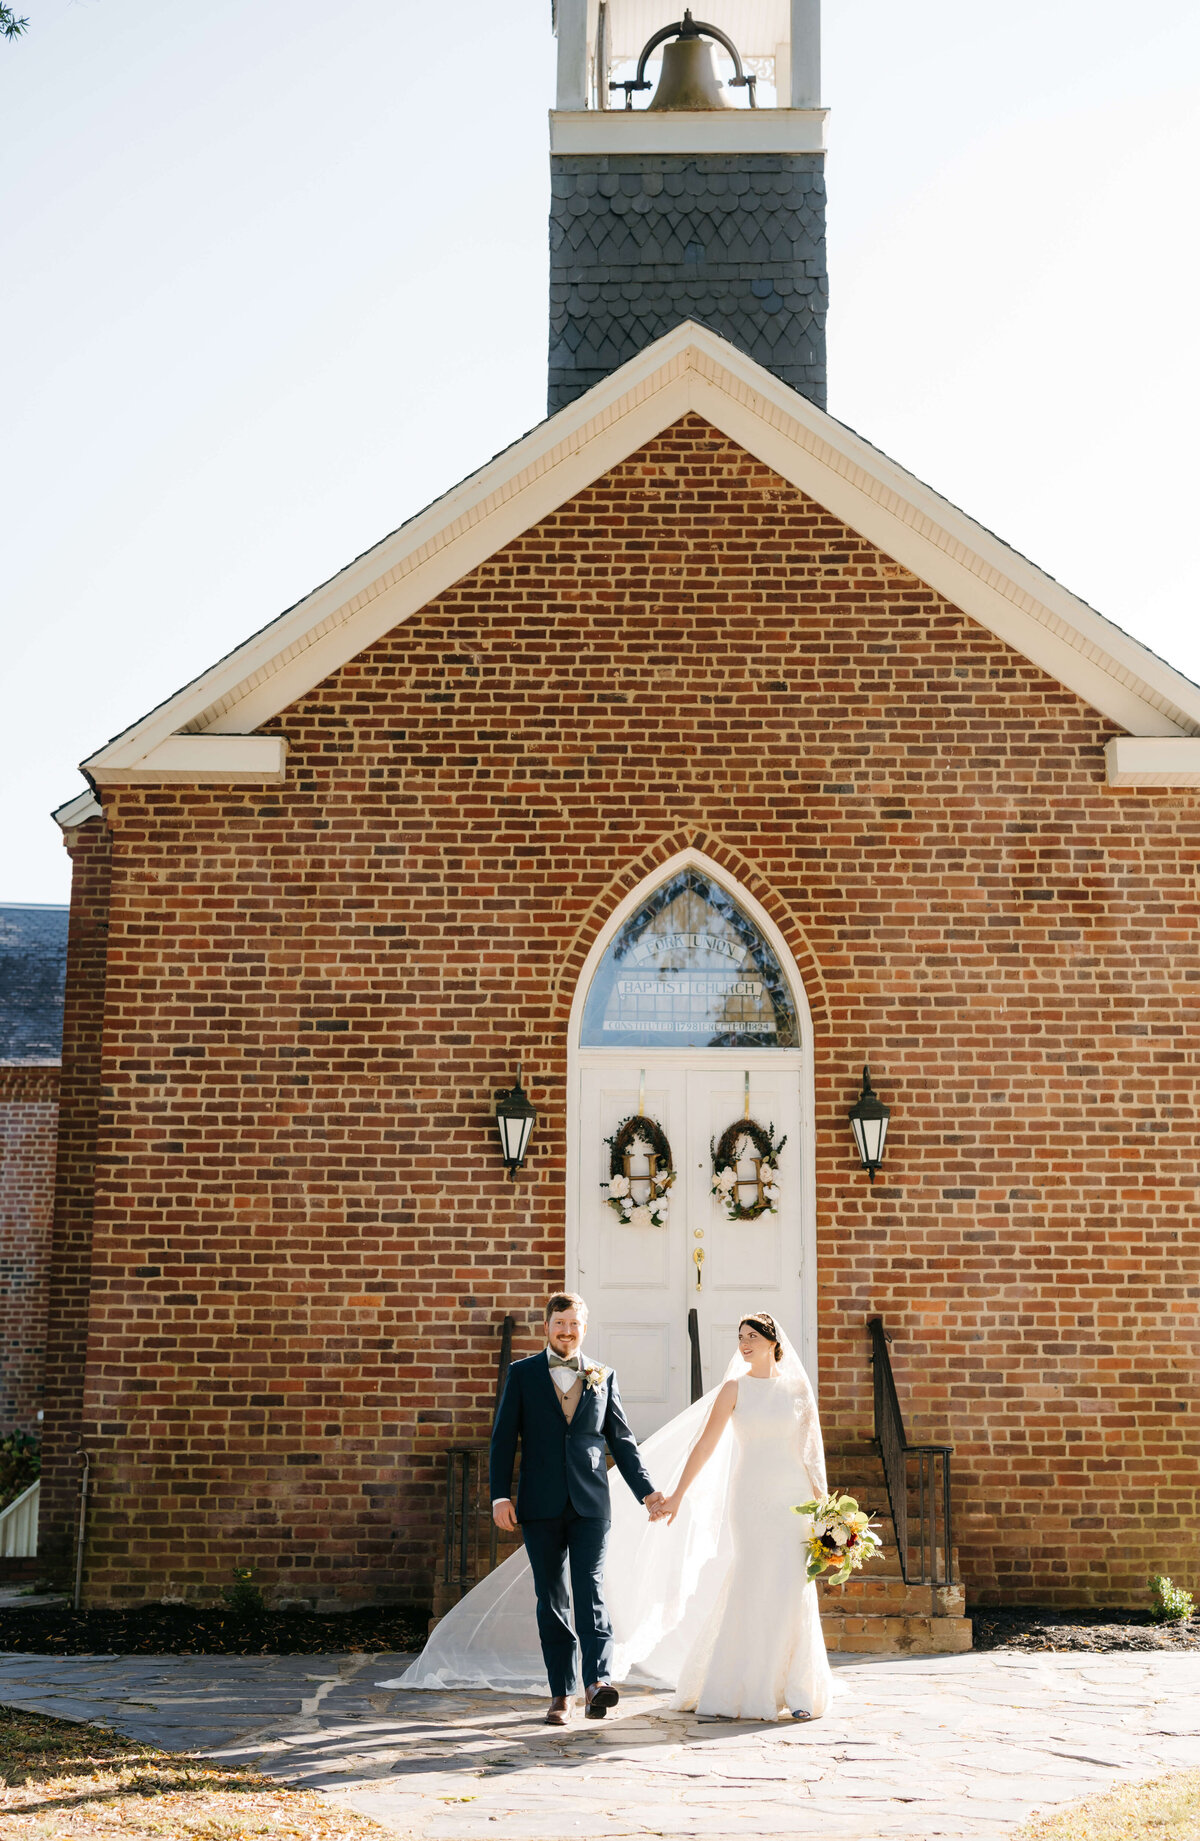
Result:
x=842 y=1536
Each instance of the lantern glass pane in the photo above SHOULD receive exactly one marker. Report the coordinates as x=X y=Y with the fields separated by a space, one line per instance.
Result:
x=869 y=1135
x=514 y=1132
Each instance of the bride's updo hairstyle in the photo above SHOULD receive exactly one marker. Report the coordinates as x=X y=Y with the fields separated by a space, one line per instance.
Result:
x=765 y=1325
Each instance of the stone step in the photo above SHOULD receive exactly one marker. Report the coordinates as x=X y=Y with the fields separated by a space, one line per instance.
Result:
x=875 y=1593
x=902 y=1635
x=866 y=1616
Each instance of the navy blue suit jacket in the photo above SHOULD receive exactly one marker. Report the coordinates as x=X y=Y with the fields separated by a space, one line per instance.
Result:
x=561 y=1463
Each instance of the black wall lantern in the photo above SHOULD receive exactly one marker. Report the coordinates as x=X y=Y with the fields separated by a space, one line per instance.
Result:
x=869 y=1123
x=515 y=1115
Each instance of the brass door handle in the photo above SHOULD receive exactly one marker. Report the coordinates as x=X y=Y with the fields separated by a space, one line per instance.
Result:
x=698 y=1257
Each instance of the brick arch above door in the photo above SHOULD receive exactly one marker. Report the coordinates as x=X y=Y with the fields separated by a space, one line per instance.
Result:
x=654 y=863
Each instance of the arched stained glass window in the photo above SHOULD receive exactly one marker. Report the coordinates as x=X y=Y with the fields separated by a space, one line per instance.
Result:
x=689 y=970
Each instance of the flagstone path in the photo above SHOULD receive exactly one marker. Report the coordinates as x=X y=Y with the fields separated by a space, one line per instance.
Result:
x=933 y=1746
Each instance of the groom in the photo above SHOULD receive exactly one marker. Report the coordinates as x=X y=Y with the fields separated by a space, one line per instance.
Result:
x=564 y=1410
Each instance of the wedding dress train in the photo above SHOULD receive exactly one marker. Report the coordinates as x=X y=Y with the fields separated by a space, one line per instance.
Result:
x=715 y=1607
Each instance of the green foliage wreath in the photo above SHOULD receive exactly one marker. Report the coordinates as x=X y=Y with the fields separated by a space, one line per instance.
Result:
x=634 y=1130
x=724 y=1155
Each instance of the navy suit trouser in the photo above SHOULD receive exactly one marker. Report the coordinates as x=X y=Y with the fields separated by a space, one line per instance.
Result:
x=578 y=1542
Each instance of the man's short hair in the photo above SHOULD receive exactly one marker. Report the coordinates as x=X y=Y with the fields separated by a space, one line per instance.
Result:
x=565 y=1300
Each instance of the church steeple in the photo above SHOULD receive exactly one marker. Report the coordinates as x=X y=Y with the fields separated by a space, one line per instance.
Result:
x=702 y=211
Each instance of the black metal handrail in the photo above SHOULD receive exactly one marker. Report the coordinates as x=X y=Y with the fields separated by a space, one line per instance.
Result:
x=503 y=1361
x=697 y=1364
x=461 y=1469
x=917 y=1546
x=466 y=1469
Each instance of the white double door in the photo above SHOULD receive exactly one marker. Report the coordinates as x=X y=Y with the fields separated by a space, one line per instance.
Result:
x=640 y=1283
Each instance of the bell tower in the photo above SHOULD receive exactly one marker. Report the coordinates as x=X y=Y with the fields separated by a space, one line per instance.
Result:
x=687 y=183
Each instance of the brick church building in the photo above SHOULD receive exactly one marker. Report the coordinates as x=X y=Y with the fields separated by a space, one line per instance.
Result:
x=685 y=757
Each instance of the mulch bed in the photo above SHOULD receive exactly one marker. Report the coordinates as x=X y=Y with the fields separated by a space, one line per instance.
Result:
x=1049 y=1627
x=184 y=1630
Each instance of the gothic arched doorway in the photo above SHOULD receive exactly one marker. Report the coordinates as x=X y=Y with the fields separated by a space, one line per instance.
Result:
x=690 y=1013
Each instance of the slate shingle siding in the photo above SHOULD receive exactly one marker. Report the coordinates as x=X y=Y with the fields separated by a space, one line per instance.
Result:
x=640 y=242
x=33 y=964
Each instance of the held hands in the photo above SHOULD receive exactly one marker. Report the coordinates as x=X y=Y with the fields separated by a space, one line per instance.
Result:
x=662 y=1508
x=505 y=1517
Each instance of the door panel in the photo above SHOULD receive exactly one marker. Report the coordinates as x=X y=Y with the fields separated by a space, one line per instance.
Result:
x=641 y=1355
x=629 y=1275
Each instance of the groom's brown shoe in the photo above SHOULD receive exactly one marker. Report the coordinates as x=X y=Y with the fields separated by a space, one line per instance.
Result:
x=600 y=1697
x=559 y=1711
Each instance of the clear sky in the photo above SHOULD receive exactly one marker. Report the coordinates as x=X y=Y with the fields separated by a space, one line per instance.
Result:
x=274 y=276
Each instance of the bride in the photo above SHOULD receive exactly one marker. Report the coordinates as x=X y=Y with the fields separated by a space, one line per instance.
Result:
x=715 y=1604
x=760 y=1652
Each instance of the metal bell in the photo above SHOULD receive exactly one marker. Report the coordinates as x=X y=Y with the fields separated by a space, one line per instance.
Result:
x=688 y=79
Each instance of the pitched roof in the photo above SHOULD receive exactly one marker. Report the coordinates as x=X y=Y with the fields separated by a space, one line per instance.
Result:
x=690 y=369
x=33 y=969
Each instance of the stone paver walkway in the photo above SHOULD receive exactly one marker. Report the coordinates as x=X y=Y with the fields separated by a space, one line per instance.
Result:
x=957 y=1747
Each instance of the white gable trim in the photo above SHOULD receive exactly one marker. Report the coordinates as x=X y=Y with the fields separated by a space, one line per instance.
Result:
x=689 y=369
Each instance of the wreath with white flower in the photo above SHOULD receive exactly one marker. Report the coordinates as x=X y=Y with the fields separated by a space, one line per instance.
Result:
x=729 y=1147
x=639 y=1136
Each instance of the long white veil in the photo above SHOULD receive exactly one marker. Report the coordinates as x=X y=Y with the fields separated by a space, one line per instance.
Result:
x=660 y=1581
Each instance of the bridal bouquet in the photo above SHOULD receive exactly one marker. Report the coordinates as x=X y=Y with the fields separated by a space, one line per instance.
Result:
x=841 y=1537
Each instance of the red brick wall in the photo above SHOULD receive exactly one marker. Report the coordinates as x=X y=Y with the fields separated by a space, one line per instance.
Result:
x=28 y=1124
x=304 y=1239
x=66 y=1338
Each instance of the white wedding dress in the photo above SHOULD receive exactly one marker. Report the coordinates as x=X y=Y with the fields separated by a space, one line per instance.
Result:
x=761 y=1651
x=715 y=1607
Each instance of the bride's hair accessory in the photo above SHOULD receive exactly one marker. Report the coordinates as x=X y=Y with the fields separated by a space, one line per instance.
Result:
x=764 y=1323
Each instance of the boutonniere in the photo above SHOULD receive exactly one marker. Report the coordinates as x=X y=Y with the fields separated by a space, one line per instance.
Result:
x=594 y=1375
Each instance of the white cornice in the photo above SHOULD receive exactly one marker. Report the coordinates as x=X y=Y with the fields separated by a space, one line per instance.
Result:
x=1153 y=760
x=689 y=369
x=209 y=760
x=616 y=131
x=78 y=811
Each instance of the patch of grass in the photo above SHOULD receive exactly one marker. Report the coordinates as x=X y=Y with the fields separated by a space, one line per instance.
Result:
x=1166 y=1810
x=60 y=1782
